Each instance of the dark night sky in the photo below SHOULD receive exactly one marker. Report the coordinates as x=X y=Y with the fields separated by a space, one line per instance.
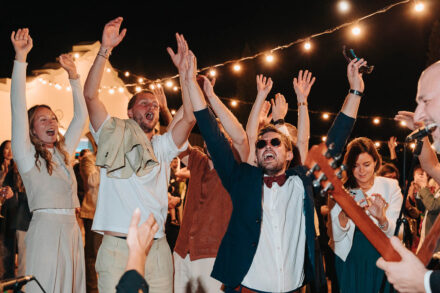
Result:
x=395 y=42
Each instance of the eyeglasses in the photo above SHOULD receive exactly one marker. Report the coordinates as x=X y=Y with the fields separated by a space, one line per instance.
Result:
x=275 y=142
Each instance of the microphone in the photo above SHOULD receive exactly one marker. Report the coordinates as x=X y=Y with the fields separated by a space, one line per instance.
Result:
x=421 y=132
x=15 y=283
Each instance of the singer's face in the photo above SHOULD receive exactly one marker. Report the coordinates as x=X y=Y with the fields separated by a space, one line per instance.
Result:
x=428 y=100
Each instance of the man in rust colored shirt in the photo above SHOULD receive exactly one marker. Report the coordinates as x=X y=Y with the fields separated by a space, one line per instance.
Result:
x=205 y=219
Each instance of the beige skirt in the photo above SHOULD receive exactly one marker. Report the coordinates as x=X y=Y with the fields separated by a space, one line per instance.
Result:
x=55 y=254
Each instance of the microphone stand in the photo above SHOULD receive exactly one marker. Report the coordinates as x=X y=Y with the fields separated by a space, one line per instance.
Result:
x=401 y=219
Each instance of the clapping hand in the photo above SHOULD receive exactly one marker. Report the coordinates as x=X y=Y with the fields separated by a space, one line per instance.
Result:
x=22 y=42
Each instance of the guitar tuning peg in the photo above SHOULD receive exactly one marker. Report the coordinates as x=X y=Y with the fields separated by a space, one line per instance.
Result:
x=331 y=146
x=342 y=169
x=334 y=164
x=327 y=188
x=313 y=169
x=338 y=157
x=317 y=182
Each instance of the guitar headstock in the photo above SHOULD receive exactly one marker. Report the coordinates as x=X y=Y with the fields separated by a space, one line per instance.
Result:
x=325 y=169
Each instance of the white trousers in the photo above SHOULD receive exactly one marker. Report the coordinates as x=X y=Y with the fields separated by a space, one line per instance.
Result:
x=194 y=276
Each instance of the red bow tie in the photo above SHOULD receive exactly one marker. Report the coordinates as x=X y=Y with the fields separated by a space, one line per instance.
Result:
x=269 y=180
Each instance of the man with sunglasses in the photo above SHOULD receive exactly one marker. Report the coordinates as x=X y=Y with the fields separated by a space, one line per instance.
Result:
x=270 y=241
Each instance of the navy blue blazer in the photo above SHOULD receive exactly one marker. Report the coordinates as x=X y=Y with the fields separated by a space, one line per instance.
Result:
x=245 y=186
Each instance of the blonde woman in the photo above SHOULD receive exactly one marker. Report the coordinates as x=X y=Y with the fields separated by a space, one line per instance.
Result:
x=55 y=253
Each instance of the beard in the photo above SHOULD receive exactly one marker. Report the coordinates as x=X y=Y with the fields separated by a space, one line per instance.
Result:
x=144 y=126
x=271 y=170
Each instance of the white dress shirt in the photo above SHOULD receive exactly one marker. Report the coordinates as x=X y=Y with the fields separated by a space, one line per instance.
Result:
x=278 y=264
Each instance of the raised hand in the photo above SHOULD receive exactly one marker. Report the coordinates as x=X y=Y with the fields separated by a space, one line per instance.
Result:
x=111 y=37
x=279 y=107
x=160 y=96
x=354 y=77
x=22 y=42
x=140 y=238
x=392 y=143
x=265 y=117
x=68 y=64
x=302 y=85
x=264 y=84
x=208 y=86
x=408 y=118
x=180 y=57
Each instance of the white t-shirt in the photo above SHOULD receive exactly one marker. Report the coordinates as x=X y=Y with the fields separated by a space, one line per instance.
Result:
x=118 y=198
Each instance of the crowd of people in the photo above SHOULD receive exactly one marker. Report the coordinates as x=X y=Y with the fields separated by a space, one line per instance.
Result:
x=147 y=211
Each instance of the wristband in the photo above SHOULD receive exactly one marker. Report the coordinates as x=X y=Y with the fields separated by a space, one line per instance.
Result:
x=382 y=226
x=355 y=92
x=105 y=53
x=302 y=104
x=279 y=121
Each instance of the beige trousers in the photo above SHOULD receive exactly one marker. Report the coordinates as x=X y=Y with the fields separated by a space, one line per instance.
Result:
x=112 y=258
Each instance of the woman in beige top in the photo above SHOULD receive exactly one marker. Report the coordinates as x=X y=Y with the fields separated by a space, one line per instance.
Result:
x=54 y=246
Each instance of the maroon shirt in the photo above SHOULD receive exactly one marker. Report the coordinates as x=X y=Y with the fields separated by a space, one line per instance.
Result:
x=207 y=210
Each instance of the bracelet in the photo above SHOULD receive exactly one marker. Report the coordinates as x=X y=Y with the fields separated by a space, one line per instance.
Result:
x=382 y=226
x=279 y=121
x=105 y=53
x=302 y=104
x=355 y=92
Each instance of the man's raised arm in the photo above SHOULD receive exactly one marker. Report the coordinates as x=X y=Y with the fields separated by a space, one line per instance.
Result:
x=111 y=37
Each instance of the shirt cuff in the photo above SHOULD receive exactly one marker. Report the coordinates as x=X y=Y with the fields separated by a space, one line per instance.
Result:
x=426 y=282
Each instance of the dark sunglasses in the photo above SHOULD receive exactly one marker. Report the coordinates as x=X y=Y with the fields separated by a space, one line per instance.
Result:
x=262 y=143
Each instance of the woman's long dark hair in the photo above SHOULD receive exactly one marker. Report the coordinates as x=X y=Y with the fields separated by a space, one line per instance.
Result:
x=16 y=178
x=356 y=147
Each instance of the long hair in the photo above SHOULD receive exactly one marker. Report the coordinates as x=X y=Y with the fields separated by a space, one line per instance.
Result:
x=356 y=147
x=40 y=149
x=16 y=178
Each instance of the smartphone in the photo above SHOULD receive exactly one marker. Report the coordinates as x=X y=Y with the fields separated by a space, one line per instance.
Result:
x=359 y=197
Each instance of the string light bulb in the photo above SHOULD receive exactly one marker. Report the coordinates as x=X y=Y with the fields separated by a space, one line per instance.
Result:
x=356 y=30
x=111 y=91
x=108 y=70
x=234 y=103
x=140 y=80
x=377 y=144
x=402 y=123
x=343 y=6
x=158 y=85
x=58 y=87
x=237 y=67
x=269 y=58
x=175 y=88
x=325 y=116
x=127 y=74
x=169 y=84
x=76 y=55
x=138 y=89
x=152 y=86
x=307 y=46
x=68 y=88
x=419 y=6
x=412 y=145
x=121 y=89
x=324 y=138
x=212 y=72
x=173 y=112
x=376 y=121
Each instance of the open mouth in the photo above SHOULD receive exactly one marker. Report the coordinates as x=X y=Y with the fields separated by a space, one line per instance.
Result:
x=149 y=116
x=50 y=132
x=268 y=156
